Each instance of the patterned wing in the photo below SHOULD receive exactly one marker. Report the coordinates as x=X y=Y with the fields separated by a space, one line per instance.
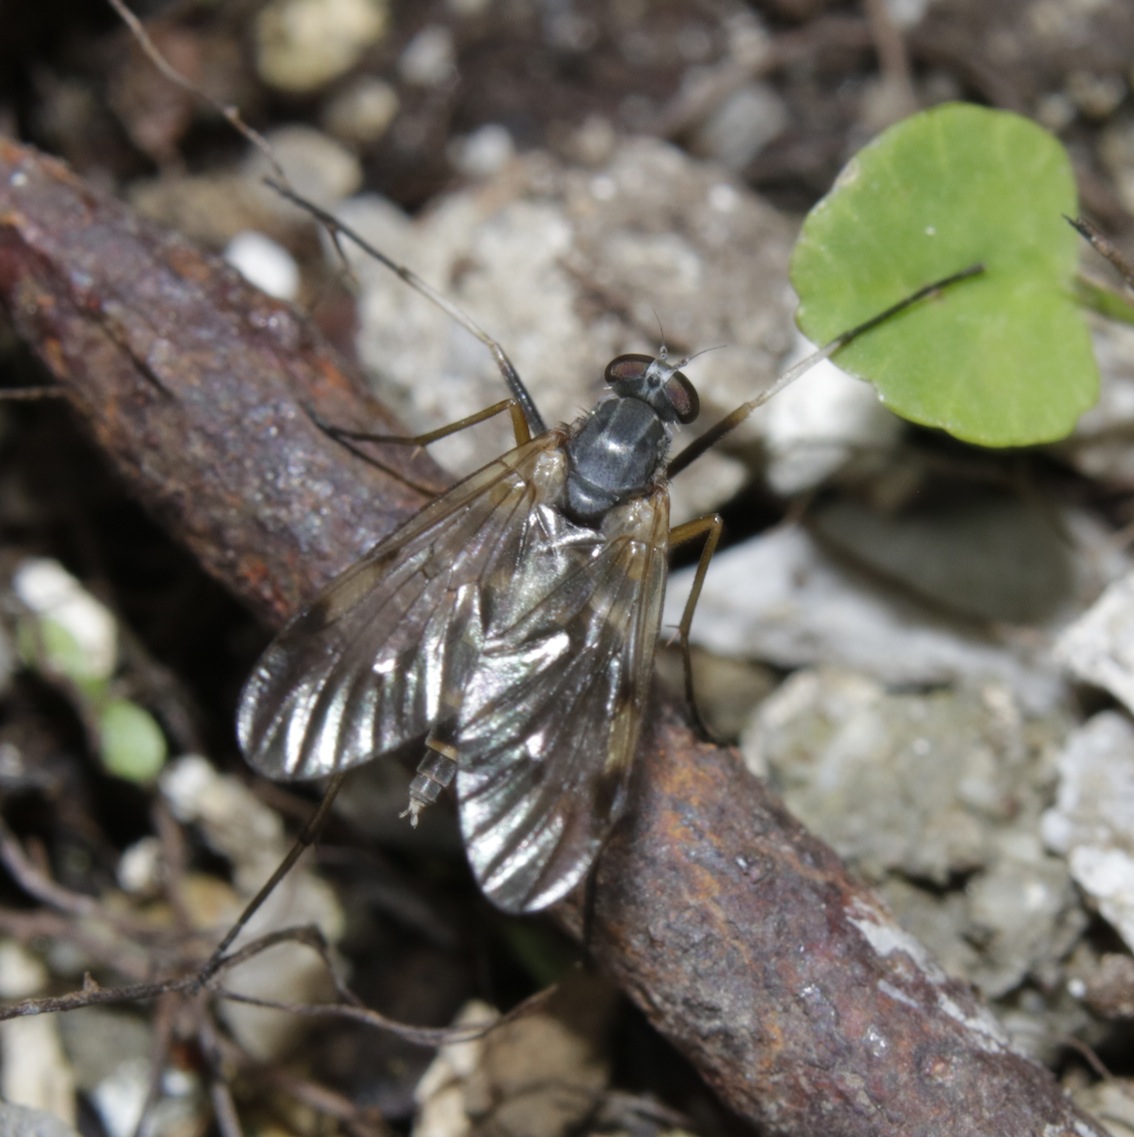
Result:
x=384 y=653
x=551 y=716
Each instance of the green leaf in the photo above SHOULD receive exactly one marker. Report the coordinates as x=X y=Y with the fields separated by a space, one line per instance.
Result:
x=131 y=743
x=1003 y=359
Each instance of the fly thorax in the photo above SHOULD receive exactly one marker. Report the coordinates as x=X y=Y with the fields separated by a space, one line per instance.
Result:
x=614 y=455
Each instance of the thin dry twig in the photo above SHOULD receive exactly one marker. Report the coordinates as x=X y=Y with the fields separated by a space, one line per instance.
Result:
x=223 y=960
x=85 y=910
x=224 y=1108
x=29 y=394
x=36 y=884
x=361 y=1121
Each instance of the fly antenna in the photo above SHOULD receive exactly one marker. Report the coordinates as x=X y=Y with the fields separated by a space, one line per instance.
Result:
x=338 y=228
x=732 y=420
x=703 y=351
x=663 y=351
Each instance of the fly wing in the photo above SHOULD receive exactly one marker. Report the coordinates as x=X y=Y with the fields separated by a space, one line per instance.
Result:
x=383 y=654
x=552 y=715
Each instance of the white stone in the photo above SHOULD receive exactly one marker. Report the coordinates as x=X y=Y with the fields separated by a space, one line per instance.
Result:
x=264 y=263
x=781 y=598
x=1092 y=822
x=430 y=58
x=301 y=45
x=1098 y=648
x=816 y=424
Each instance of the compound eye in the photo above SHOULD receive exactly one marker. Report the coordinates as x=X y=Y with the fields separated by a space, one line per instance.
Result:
x=627 y=369
x=682 y=397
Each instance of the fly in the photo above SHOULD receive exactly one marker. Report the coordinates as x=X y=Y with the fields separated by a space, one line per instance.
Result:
x=509 y=628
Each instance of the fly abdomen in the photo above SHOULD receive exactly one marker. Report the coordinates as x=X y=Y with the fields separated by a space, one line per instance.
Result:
x=434 y=772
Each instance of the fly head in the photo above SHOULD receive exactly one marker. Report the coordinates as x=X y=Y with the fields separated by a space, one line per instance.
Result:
x=661 y=385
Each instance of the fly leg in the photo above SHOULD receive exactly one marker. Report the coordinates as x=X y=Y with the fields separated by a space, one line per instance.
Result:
x=710 y=529
x=336 y=228
x=350 y=438
x=302 y=843
x=519 y=427
x=1102 y=245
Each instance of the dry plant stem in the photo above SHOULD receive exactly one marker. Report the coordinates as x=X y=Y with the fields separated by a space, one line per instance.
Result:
x=743 y=938
x=164 y=1020
x=129 y=945
x=188 y=982
x=224 y=1108
x=350 y=1007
